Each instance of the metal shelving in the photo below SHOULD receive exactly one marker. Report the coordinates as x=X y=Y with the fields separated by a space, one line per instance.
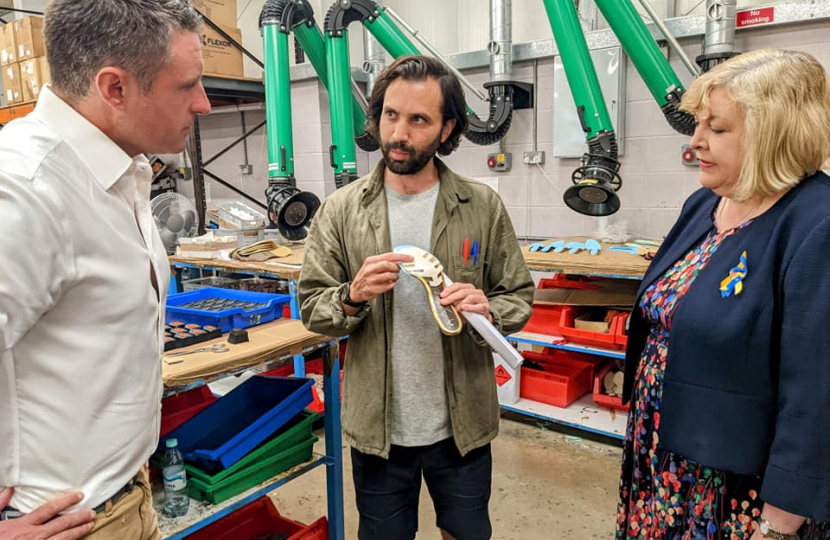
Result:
x=582 y=414
x=203 y=514
x=557 y=343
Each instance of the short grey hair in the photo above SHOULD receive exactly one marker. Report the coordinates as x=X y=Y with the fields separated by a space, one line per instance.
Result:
x=84 y=36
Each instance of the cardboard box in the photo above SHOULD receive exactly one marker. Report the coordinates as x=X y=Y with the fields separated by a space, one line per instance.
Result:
x=605 y=293
x=34 y=74
x=12 y=90
x=593 y=321
x=222 y=12
x=8 y=49
x=222 y=57
x=28 y=36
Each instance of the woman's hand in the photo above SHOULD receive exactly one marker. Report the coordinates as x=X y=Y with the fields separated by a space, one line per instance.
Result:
x=780 y=520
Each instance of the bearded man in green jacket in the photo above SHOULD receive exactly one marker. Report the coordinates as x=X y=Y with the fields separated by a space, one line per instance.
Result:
x=416 y=403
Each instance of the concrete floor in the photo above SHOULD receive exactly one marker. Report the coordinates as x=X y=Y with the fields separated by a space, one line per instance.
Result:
x=546 y=485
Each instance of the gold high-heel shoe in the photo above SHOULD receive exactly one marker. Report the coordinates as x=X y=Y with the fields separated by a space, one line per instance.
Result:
x=427 y=269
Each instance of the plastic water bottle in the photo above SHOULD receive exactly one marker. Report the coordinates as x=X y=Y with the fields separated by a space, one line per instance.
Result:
x=176 y=501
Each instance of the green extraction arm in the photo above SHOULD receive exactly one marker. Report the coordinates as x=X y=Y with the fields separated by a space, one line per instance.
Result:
x=289 y=209
x=649 y=61
x=394 y=41
x=597 y=179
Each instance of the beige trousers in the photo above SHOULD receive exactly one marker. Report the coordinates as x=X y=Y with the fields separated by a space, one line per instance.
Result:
x=132 y=517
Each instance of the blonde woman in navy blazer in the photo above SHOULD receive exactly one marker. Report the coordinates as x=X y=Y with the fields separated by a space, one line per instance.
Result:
x=728 y=359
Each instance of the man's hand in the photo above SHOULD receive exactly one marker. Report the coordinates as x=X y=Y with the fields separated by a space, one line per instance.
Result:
x=466 y=297
x=378 y=275
x=39 y=524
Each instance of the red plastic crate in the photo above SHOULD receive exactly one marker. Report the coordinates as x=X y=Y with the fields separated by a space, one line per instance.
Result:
x=283 y=371
x=564 y=281
x=545 y=319
x=312 y=366
x=178 y=409
x=257 y=519
x=603 y=399
x=316 y=367
x=587 y=337
x=620 y=337
x=563 y=381
x=596 y=362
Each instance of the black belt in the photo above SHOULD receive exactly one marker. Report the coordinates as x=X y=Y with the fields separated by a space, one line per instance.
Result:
x=12 y=513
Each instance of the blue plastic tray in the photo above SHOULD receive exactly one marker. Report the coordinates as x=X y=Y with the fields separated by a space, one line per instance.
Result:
x=230 y=318
x=228 y=429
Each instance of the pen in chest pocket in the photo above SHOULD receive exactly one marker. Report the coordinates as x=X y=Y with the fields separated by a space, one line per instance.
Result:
x=466 y=252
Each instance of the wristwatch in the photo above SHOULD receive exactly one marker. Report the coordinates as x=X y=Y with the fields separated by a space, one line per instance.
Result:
x=346 y=300
x=768 y=532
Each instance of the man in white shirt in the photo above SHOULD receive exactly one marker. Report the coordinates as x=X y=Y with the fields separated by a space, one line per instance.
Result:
x=84 y=273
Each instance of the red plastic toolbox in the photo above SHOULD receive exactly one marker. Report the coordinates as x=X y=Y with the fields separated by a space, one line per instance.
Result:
x=178 y=409
x=563 y=381
x=260 y=519
x=603 y=399
x=586 y=337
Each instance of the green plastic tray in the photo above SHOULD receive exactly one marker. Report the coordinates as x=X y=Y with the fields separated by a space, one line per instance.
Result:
x=251 y=476
x=297 y=430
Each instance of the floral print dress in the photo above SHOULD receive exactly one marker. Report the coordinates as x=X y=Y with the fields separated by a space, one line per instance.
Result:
x=663 y=495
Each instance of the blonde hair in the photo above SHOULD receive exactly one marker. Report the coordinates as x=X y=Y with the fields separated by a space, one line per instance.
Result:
x=784 y=98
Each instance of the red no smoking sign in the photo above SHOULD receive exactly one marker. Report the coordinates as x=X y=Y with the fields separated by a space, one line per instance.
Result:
x=752 y=17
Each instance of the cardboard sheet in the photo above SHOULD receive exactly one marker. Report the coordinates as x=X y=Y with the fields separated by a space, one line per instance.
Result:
x=605 y=263
x=283 y=337
x=608 y=293
x=286 y=267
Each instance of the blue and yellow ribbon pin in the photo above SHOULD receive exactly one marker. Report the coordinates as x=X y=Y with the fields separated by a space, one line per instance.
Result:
x=734 y=282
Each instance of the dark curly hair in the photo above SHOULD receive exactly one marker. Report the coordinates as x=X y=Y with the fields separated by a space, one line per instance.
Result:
x=419 y=68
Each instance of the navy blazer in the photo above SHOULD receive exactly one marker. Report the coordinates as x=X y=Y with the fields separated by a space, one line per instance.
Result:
x=747 y=381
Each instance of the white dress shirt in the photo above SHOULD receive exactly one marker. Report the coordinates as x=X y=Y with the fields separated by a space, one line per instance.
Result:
x=81 y=324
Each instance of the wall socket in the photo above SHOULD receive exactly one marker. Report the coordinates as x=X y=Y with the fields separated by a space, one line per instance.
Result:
x=246 y=169
x=534 y=157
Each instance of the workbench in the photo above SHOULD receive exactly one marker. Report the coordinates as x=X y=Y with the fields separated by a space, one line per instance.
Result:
x=270 y=346
x=287 y=268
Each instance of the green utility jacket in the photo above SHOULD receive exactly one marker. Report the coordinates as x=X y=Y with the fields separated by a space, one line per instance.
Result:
x=352 y=225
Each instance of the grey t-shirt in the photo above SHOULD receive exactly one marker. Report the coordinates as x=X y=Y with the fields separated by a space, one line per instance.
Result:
x=420 y=414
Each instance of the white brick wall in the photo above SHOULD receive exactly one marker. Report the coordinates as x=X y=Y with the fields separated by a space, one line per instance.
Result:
x=655 y=181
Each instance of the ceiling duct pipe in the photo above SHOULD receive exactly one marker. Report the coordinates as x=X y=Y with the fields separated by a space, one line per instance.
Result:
x=719 y=40
x=501 y=40
x=505 y=93
x=374 y=60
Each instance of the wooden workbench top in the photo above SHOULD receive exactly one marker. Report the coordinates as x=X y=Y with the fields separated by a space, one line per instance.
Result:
x=277 y=339
x=605 y=263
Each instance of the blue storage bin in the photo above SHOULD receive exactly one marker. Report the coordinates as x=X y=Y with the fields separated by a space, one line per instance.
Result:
x=231 y=427
x=235 y=317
